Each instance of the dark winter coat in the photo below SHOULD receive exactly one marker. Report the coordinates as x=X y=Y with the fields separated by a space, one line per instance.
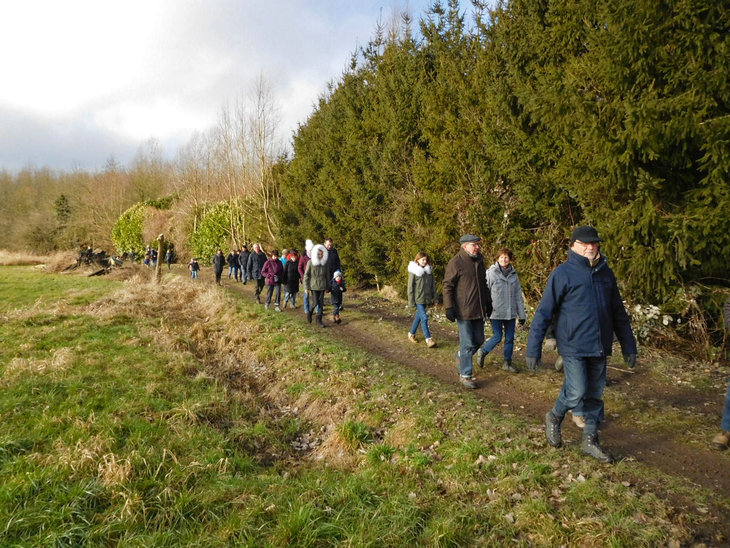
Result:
x=219 y=261
x=194 y=266
x=243 y=259
x=586 y=306
x=255 y=264
x=291 y=276
x=421 y=285
x=506 y=292
x=333 y=262
x=465 y=287
x=273 y=272
x=336 y=291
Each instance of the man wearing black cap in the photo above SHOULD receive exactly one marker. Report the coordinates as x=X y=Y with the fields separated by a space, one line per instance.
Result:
x=583 y=299
x=468 y=302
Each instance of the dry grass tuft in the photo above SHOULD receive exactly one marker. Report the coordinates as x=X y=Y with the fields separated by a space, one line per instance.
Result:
x=17 y=258
x=58 y=262
x=113 y=472
x=403 y=432
x=335 y=451
x=59 y=362
x=84 y=456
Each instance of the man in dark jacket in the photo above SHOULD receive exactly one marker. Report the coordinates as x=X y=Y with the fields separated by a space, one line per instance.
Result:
x=243 y=262
x=333 y=258
x=468 y=302
x=583 y=300
x=219 y=262
x=255 y=263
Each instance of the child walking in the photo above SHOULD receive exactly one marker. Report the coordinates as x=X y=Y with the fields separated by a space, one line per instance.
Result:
x=337 y=288
x=194 y=268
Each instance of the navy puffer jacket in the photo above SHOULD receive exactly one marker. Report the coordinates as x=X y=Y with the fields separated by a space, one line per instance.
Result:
x=587 y=307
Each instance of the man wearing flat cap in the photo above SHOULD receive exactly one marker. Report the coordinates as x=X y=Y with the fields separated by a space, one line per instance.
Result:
x=583 y=301
x=467 y=301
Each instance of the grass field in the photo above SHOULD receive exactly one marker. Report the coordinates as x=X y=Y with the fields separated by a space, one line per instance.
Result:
x=176 y=415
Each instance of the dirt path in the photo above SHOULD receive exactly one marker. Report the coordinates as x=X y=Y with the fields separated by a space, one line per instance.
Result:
x=531 y=395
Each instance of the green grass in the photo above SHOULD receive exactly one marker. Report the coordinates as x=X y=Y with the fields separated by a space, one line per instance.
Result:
x=131 y=428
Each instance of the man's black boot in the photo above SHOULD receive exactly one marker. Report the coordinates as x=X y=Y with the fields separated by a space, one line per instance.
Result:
x=590 y=446
x=309 y=316
x=552 y=430
x=507 y=366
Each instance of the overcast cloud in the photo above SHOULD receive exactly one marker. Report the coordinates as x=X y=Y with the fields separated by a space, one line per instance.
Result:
x=84 y=81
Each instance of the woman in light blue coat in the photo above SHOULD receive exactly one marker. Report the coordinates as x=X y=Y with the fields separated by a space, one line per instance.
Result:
x=507 y=307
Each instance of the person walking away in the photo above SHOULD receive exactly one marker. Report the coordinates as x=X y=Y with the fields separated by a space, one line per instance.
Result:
x=467 y=302
x=291 y=275
x=194 y=268
x=421 y=294
x=230 y=260
x=255 y=263
x=316 y=280
x=507 y=306
x=722 y=440
x=243 y=263
x=337 y=288
x=168 y=257
x=219 y=262
x=303 y=260
x=273 y=273
x=583 y=298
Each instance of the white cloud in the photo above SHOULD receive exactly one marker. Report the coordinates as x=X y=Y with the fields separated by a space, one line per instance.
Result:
x=163 y=69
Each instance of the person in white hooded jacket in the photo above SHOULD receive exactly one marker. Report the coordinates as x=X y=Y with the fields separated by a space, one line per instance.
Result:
x=316 y=280
x=421 y=293
x=507 y=306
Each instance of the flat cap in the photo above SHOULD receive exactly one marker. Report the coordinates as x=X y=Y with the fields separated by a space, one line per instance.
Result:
x=469 y=238
x=585 y=234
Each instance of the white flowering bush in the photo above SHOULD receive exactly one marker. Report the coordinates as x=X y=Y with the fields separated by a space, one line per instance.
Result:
x=647 y=319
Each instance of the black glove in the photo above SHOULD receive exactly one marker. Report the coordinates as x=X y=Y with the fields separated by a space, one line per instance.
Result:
x=522 y=321
x=532 y=363
x=450 y=314
x=630 y=360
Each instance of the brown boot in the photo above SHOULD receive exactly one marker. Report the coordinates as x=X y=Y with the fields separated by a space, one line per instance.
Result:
x=721 y=441
x=430 y=342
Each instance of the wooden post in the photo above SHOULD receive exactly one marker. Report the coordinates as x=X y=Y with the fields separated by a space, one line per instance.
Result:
x=160 y=258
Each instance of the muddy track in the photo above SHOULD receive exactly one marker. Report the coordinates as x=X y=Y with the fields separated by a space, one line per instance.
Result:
x=702 y=466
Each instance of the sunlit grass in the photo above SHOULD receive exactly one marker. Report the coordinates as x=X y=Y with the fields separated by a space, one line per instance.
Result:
x=150 y=415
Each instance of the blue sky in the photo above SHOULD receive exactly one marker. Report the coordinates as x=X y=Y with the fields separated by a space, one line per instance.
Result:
x=90 y=80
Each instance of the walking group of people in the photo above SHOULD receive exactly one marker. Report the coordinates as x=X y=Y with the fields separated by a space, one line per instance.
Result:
x=581 y=308
x=581 y=304
x=318 y=270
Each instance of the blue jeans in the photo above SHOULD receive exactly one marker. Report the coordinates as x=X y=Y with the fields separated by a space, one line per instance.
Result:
x=305 y=300
x=471 y=337
x=585 y=379
x=422 y=319
x=726 y=415
x=290 y=297
x=193 y=274
x=509 y=337
x=335 y=309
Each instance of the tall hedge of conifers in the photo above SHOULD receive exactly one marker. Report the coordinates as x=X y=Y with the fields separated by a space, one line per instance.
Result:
x=519 y=124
